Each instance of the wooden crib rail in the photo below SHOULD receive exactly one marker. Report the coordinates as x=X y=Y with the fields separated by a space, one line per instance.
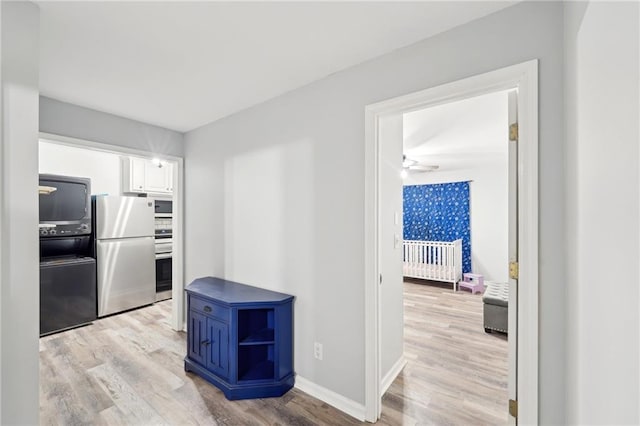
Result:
x=433 y=260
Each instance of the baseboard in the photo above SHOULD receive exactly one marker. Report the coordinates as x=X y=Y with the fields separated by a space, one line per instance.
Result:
x=392 y=374
x=332 y=398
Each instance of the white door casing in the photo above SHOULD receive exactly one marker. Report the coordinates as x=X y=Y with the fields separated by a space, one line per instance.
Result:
x=512 y=380
x=523 y=77
x=391 y=283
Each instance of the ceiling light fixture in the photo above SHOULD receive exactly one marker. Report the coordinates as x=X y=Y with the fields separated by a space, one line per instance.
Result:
x=407 y=162
x=410 y=165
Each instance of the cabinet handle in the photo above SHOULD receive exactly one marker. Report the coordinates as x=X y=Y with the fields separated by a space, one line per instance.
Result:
x=205 y=342
x=207 y=308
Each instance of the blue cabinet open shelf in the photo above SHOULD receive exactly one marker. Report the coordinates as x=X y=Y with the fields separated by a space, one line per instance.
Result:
x=260 y=337
x=263 y=370
x=240 y=338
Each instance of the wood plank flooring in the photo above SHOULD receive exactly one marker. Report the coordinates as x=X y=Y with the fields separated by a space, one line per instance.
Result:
x=455 y=373
x=128 y=370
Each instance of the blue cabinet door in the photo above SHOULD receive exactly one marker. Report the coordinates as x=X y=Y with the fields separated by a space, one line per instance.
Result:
x=218 y=360
x=197 y=337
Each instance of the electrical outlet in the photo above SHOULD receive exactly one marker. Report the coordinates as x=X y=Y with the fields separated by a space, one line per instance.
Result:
x=317 y=351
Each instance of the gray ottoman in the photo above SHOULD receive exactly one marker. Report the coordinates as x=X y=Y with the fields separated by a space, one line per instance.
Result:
x=496 y=307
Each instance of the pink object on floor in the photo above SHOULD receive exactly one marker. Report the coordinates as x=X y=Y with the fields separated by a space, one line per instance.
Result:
x=474 y=282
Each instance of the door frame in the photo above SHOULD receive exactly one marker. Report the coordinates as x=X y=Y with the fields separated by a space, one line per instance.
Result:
x=524 y=77
x=178 y=318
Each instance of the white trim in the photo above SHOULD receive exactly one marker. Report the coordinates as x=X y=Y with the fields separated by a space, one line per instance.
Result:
x=178 y=320
x=523 y=76
x=528 y=237
x=178 y=310
x=332 y=398
x=3 y=284
x=391 y=375
x=372 y=373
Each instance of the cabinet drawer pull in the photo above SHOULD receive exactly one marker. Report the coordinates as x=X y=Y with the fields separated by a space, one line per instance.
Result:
x=207 y=308
x=205 y=342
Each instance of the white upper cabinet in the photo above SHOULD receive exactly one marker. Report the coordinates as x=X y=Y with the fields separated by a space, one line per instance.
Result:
x=146 y=176
x=136 y=170
x=156 y=178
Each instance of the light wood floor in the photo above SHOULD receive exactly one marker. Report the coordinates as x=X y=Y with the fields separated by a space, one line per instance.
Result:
x=128 y=369
x=456 y=373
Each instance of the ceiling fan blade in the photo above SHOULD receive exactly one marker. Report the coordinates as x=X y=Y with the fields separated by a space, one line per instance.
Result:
x=421 y=168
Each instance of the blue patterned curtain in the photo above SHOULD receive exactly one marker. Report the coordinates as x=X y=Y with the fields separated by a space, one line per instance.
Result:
x=439 y=212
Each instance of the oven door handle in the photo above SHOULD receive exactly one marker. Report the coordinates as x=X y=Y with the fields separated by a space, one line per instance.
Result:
x=163 y=256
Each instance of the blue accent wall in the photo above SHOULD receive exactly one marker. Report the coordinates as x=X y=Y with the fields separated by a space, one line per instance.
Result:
x=439 y=212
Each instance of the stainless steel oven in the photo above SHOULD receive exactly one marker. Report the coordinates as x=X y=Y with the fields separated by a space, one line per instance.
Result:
x=164 y=248
x=164 y=271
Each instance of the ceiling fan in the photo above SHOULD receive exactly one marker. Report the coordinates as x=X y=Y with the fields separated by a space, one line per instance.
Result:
x=414 y=166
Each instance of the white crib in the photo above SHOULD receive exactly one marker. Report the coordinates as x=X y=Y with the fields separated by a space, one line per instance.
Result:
x=433 y=260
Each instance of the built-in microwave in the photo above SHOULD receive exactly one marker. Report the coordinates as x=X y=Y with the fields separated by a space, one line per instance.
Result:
x=65 y=206
x=163 y=208
x=163 y=218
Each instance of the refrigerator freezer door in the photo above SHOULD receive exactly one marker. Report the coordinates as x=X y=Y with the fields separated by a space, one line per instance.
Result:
x=124 y=217
x=126 y=274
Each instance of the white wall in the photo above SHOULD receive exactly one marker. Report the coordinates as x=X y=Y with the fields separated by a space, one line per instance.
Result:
x=602 y=109
x=61 y=118
x=275 y=193
x=19 y=283
x=488 y=203
x=103 y=168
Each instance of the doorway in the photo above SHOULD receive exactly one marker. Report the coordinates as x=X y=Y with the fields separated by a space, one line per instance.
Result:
x=382 y=117
x=107 y=159
x=455 y=191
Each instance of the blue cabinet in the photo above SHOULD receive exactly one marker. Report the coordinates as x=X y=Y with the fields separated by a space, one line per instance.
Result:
x=240 y=338
x=218 y=345
x=209 y=343
x=197 y=329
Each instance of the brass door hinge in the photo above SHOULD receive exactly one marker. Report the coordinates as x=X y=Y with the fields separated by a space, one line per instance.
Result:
x=513 y=132
x=513 y=408
x=514 y=270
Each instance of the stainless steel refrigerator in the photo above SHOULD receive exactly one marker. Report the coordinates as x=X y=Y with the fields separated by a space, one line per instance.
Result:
x=125 y=253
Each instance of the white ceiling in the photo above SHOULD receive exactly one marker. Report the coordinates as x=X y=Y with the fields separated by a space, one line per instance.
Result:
x=181 y=65
x=459 y=135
